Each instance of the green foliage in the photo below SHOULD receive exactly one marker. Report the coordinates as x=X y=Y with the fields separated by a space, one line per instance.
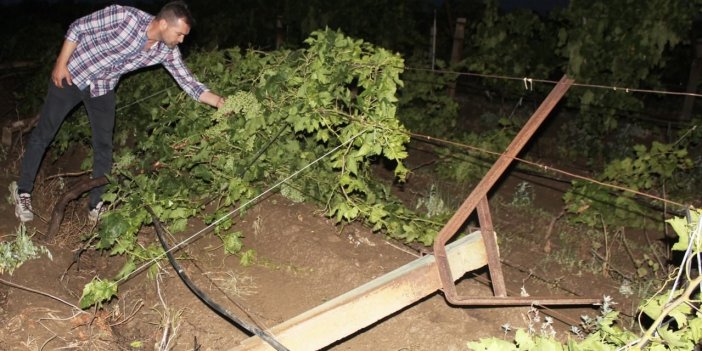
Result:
x=603 y=333
x=232 y=242
x=424 y=105
x=471 y=165
x=517 y=43
x=646 y=265
x=96 y=292
x=137 y=344
x=684 y=184
x=647 y=170
x=14 y=253
x=284 y=111
x=624 y=40
x=619 y=43
x=654 y=308
x=606 y=335
x=599 y=42
x=395 y=25
x=687 y=330
x=684 y=229
x=292 y=193
x=248 y=258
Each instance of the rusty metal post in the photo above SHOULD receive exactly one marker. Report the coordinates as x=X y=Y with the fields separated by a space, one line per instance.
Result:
x=369 y=303
x=493 y=253
x=478 y=197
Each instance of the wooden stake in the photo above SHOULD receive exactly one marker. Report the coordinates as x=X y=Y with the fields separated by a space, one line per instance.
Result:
x=457 y=50
x=693 y=82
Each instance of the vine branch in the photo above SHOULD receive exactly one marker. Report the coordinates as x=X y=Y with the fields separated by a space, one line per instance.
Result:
x=668 y=309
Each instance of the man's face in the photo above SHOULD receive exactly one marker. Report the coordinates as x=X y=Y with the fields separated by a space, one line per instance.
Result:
x=173 y=34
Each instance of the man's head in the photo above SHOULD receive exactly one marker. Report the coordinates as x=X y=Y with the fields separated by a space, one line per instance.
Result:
x=174 y=22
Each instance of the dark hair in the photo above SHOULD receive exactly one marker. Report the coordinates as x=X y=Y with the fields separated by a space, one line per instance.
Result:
x=175 y=10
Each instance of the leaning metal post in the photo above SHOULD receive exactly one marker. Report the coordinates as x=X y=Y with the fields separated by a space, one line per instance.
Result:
x=477 y=200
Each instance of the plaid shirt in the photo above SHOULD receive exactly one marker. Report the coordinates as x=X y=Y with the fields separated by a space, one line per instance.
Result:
x=110 y=43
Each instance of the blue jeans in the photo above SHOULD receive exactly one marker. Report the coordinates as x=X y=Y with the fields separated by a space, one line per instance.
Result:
x=59 y=102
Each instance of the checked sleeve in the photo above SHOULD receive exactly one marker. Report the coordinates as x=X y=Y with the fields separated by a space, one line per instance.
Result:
x=175 y=65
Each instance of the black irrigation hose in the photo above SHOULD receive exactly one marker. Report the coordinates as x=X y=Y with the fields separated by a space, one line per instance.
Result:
x=206 y=299
x=262 y=150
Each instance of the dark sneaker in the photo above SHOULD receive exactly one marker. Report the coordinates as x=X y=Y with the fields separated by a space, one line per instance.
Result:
x=23 y=206
x=95 y=213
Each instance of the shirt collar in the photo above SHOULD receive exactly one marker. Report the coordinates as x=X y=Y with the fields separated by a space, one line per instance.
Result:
x=144 y=22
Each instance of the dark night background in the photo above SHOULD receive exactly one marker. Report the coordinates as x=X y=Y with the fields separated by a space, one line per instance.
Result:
x=32 y=30
x=251 y=23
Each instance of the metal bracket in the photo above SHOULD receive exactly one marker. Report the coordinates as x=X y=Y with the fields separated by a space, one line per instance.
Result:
x=477 y=200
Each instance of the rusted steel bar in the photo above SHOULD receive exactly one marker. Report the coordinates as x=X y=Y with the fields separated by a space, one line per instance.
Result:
x=527 y=301
x=478 y=197
x=70 y=195
x=357 y=309
x=493 y=253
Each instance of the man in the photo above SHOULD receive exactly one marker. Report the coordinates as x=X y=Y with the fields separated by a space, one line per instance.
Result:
x=98 y=49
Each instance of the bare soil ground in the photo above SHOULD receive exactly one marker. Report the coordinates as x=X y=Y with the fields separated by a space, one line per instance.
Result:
x=303 y=260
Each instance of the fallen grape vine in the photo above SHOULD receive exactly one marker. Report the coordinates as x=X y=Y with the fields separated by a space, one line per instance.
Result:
x=284 y=109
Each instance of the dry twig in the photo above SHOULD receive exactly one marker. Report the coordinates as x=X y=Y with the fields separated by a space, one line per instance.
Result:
x=69 y=174
x=21 y=287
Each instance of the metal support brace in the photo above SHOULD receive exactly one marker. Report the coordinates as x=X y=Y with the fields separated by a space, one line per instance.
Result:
x=478 y=200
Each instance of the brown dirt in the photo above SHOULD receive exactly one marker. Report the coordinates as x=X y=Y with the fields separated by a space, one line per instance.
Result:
x=303 y=260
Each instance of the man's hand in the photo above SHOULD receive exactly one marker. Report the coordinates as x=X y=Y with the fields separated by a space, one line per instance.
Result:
x=60 y=73
x=212 y=99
